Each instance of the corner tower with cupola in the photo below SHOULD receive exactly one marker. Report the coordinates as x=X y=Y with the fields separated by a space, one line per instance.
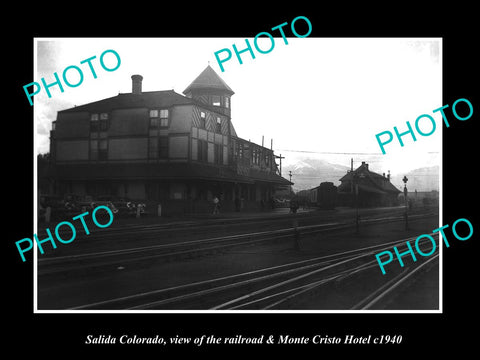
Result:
x=209 y=89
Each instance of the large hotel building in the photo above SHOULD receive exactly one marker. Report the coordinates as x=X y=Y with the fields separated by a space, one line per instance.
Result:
x=161 y=147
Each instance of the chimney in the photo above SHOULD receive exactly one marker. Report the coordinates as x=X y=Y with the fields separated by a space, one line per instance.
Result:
x=365 y=165
x=388 y=176
x=137 y=84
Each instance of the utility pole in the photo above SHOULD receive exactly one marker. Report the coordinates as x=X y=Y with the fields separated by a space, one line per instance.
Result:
x=356 y=177
x=280 y=157
x=290 y=176
x=405 y=195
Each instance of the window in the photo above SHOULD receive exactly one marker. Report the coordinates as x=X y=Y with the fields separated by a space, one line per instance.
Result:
x=202 y=150
x=218 y=154
x=158 y=147
x=164 y=118
x=102 y=149
x=94 y=149
x=218 y=127
x=240 y=151
x=163 y=147
x=227 y=102
x=233 y=148
x=203 y=120
x=255 y=156
x=154 y=123
x=216 y=100
x=153 y=147
x=99 y=122
x=98 y=149
x=103 y=125
x=94 y=122
x=158 y=118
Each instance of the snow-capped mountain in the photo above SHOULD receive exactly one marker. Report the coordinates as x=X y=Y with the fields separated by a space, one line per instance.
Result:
x=308 y=173
x=421 y=179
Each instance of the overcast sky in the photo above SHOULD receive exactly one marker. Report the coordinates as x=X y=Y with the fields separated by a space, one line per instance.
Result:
x=318 y=97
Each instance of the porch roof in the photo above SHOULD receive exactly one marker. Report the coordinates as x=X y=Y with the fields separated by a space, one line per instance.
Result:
x=159 y=171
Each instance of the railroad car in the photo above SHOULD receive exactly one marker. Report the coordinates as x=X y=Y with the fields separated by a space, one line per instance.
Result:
x=326 y=195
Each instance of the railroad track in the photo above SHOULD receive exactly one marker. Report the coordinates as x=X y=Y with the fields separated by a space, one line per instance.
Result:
x=168 y=251
x=270 y=288
x=388 y=289
x=184 y=229
x=98 y=261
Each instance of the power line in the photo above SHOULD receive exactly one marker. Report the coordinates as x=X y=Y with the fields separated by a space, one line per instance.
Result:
x=332 y=175
x=342 y=153
x=329 y=152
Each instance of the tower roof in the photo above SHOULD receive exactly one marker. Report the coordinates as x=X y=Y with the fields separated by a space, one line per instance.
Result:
x=208 y=79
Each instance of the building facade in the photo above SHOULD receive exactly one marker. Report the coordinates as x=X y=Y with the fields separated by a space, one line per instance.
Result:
x=161 y=147
x=367 y=188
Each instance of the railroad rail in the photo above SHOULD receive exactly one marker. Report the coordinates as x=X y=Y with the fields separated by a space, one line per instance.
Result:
x=179 y=248
x=262 y=289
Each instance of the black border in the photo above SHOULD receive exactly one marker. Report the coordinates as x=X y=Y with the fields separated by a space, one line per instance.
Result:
x=54 y=334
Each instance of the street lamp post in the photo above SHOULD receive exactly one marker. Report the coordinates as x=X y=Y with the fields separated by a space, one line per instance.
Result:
x=355 y=188
x=356 y=204
x=405 y=195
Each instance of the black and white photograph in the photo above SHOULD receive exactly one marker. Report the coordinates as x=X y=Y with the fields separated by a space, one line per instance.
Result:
x=228 y=186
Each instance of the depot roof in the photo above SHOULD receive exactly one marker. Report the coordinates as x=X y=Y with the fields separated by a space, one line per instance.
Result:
x=368 y=181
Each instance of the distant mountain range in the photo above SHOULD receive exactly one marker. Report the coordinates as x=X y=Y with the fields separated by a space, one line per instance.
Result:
x=421 y=179
x=308 y=173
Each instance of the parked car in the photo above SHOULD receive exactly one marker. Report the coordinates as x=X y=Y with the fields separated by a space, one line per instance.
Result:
x=124 y=206
x=105 y=201
x=280 y=203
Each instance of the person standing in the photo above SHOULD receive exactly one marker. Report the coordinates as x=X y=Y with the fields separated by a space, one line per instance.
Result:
x=216 y=205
